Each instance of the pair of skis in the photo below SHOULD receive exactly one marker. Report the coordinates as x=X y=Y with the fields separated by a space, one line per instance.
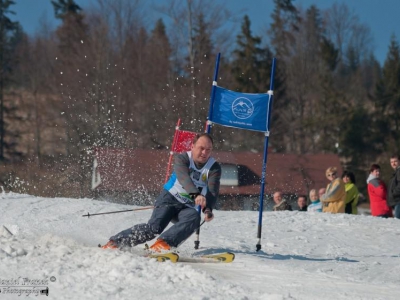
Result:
x=223 y=257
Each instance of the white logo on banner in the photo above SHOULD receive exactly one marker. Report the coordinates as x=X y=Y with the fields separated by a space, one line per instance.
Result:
x=242 y=108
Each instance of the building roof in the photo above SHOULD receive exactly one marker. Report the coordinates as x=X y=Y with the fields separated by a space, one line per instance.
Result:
x=139 y=169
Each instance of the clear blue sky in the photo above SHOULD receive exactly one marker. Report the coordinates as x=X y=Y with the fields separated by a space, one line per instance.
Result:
x=382 y=16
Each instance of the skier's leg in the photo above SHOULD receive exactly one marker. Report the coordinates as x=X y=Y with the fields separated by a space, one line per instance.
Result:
x=188 y=220
x=162 y=214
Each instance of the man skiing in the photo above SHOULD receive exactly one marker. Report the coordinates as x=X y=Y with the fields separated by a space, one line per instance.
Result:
x=194 y=182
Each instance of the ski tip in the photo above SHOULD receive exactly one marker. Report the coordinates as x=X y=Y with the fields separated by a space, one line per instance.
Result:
x=164 y=257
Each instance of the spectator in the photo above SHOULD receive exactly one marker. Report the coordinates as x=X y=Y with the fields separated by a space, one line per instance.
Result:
x=302 y=202
x=352 y=193
x=280 y=203
x=315 y=205
x=321 y=192
x=394 y=187
x=377 y=193
x=335 y=195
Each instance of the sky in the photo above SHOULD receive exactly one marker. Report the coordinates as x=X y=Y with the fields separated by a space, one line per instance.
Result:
x=47 y=244
x=382 y=16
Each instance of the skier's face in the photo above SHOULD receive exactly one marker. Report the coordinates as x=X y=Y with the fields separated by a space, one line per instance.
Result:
x=201 y=150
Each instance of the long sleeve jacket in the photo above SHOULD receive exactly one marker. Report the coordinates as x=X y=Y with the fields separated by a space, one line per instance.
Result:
x=333 y=200
x=182 y=171
x=394 y=189
x=377 y=197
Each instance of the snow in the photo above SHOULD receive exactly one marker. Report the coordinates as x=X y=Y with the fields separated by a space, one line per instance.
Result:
x=304 y=255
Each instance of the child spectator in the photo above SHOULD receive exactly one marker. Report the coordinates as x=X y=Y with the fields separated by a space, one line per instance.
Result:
x=315 y=205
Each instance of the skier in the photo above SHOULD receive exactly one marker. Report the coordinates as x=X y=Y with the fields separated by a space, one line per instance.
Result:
x=194 y=182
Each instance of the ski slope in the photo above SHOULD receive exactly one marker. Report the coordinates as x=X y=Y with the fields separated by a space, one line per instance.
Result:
x=304 y=255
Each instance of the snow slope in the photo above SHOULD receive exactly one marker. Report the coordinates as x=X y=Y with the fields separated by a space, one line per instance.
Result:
x=303 y=256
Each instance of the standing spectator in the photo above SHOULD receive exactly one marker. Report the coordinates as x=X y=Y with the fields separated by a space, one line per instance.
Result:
x=335 y=195
x=352 y=193
x=394 y=187
x=315 y=205
x=302 y=202
x=280 y=203
x=321 y=192
x=377 y=193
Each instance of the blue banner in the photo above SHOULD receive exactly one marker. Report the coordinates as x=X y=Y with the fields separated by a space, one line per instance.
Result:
x=240 y=110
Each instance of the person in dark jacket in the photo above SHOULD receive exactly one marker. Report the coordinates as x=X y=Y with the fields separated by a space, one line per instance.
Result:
x=377 y=194
x=280 y=203
x=194 y=183
x=394 y=187
x=302 y=202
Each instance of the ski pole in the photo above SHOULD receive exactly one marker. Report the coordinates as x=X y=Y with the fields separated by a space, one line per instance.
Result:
x=135 y=209
x=118 y=211
x=197 y=240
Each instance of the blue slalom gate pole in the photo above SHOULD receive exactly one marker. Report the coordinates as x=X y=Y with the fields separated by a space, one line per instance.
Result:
x=208 y=130
x=264 y=166
x=212 y=96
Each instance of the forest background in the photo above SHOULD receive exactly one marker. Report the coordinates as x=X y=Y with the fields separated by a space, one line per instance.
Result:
x=105 y=78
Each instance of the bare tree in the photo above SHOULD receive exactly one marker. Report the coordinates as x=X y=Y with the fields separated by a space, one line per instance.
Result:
x=186 y=20
x=345 y=30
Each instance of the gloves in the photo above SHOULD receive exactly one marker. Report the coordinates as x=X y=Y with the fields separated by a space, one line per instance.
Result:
x=208 y=215
x=194 y=195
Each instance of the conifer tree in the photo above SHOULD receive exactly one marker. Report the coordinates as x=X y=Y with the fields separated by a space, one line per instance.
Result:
x=251 y=63
x=388 y=98
x=9 y=32
x=251 y=67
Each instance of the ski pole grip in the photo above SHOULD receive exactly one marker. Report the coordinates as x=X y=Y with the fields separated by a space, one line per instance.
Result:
x=208 y=213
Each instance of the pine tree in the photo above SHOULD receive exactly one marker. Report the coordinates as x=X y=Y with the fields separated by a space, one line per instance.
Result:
x=9 y=33
x=251 y=64
x=251 y=67
x=64 y=8
x=285 y=20
x=388 y=98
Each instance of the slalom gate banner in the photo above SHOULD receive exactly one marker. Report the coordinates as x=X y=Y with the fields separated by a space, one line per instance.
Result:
x=184 y=141
x=240 y=110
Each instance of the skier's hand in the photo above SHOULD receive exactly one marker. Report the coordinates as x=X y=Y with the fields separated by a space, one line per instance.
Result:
x=200 y=200
x=208 y=215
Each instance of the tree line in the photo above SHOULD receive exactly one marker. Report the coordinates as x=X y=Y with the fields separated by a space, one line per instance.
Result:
x=106 y=77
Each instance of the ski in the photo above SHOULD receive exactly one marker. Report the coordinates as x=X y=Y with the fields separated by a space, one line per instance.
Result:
x=223 y=257
x=163 y=257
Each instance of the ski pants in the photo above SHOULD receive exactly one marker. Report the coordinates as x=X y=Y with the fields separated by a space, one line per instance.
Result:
x=397 y=211
x=167 y=209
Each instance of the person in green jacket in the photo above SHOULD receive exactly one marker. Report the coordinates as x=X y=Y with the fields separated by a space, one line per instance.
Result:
x=352 y=193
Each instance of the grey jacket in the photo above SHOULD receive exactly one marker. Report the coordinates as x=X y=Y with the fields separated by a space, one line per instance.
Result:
x=394 y=189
